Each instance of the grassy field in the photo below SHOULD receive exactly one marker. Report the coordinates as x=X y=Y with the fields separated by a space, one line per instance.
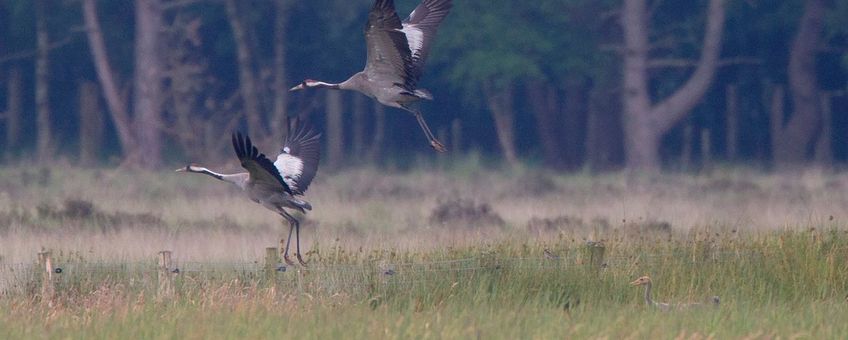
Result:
x=452 y=253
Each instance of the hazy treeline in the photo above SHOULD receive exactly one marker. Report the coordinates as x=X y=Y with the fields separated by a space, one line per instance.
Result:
x=568 y=83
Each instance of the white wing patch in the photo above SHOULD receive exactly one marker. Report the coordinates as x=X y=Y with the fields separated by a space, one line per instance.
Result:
x=415 y=38
x=290 y=167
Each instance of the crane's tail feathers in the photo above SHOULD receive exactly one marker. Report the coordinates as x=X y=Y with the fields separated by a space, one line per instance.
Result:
x=418 y=93
x=423 y=94
x=301 y=203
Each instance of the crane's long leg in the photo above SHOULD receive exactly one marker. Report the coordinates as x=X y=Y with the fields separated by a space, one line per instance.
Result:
x=292 y=222
x=432 y=139
x=438 y=146
x=297 y=230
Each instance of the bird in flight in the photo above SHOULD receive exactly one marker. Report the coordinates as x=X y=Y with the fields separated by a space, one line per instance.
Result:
x=396 y=53
x=276 y=185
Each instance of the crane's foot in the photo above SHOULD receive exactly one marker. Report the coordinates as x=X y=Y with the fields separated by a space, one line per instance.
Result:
x=300 y=259
x=438 y=146
x=288 y=260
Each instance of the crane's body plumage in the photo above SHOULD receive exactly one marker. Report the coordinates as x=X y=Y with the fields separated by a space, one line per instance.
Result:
x=275 y=185
x=396 y=53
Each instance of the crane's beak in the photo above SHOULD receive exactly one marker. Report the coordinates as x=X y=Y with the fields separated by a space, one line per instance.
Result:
x=183 y=169
x=636 y=283
x=298 y=87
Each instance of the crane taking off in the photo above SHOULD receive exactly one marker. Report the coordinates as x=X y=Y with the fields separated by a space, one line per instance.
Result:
x=276 y=185
x=397 y=51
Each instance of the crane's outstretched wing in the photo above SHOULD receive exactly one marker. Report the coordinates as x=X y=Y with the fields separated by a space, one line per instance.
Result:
x=389 y=58
x=420 y=29
x=298 y=162
x=262 y=171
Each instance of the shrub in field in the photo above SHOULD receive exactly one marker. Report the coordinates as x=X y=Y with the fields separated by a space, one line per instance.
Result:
x=556 y=224
x=464 y=212
x=535 y=183
x=649 y=226
x=82 y=212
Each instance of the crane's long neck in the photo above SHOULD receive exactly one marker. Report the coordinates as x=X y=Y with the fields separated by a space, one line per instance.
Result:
x=239 y=179
x=648 y=300
x=321 y=84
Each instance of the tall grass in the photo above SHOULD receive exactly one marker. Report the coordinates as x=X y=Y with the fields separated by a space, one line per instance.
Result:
x=777 y=283
x=385 y=261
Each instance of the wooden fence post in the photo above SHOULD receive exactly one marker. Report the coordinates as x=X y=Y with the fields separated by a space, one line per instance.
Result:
x=48 y=291
x=596 y=254
x=272 y=257
x=166 y=287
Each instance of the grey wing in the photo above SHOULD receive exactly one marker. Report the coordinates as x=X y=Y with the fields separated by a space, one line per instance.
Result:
x=389 y=59
x=420 y=29
x=262 y=171
x=298 y=161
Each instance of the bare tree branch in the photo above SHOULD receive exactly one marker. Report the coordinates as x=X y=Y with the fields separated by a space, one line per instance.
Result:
x=114 y=100
x=687 y=63
x=177 y=4
x=31 y=53
x=677 y=106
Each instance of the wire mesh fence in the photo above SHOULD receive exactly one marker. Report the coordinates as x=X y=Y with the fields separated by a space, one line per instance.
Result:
x=166 y=275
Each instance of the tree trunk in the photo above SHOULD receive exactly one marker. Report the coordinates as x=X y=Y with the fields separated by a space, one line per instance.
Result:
x=500 y=102
x=247 y=78
x=186 y=78
x=335 y=129
x=732 y=122
x=645 y=123
x=44 y=149
x=544 y=104
x=798 y=136
x=824 y=146
x=641 y=142
x=706 y=151
x=776 y=113
x=13 y=111
x=573 y=130
x=379 y=133
x=148 y=76
x=91 y=123
x=116 y=103
x=359 y=119
x=456 y=137
x=604 y=128
x=688 y=142
x=280 y=122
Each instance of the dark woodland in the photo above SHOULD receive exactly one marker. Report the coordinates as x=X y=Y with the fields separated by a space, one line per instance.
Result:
x=570 y=85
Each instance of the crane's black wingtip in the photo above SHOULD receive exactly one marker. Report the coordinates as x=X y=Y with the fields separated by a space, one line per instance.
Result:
x=242 y=145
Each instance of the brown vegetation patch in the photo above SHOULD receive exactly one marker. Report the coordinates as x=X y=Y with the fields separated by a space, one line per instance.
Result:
x=726 y=185
x=566 y=223
x=82 y=212
x=535 y=183
x=555 y=224
x=649 y=226
x=464 y=212
x=367 y=188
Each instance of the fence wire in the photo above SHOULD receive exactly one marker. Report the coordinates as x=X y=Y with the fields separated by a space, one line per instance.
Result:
x=27 y=277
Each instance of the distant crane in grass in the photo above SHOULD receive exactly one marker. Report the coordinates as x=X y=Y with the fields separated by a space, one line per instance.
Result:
x=646 y=281
x=396 y=52
x=276 y=185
